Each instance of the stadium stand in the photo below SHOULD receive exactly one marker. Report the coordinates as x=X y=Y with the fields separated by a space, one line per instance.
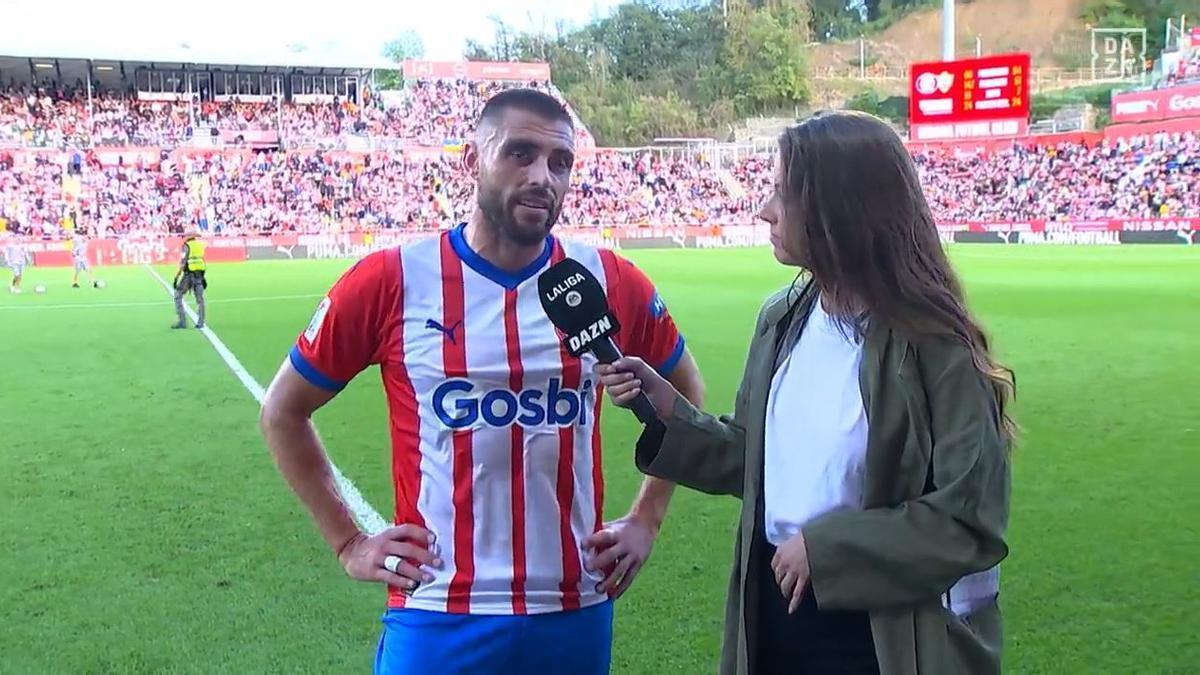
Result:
x=331 y=164
x=431 y=113
x=1186 y=72
x=295 y=191
x=1142 y=177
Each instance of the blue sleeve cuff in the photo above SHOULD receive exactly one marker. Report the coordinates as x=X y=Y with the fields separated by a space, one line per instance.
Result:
x=673 y=360
x=308 y=372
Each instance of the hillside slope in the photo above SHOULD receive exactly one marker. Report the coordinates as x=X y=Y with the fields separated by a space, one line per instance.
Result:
x=1050 y=30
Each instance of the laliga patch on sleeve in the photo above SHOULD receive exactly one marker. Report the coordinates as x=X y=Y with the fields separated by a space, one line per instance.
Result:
x=657 y=306
x=318 y=318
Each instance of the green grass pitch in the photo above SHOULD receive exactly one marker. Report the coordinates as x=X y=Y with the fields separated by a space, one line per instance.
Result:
x=144 y=528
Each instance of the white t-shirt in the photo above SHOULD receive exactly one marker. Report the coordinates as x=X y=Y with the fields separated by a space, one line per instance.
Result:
x=816 y=430
x=816 y=444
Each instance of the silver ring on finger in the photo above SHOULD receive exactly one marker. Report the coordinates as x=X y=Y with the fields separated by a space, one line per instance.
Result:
x=390 y=563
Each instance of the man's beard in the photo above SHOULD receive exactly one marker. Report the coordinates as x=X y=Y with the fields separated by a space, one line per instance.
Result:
x=501 y=215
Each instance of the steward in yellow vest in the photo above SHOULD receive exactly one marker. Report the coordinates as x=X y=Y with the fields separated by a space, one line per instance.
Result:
x=190 y=277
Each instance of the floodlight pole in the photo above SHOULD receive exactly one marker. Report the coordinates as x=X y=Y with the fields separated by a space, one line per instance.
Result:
x=191 y=101
x=947 y=30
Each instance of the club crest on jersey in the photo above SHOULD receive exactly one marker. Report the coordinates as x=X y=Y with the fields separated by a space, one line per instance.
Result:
x=459 y=406
x=564 y=286
x=318 y=318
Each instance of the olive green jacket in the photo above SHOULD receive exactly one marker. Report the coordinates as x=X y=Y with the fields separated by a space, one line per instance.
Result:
x=936 y=496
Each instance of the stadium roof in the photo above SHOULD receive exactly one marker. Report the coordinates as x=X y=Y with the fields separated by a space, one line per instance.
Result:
x=39 y=45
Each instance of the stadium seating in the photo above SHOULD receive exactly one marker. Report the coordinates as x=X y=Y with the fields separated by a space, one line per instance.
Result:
x=317 y=187
x=430 y=113
x=1186 y=72
x=1142 y=177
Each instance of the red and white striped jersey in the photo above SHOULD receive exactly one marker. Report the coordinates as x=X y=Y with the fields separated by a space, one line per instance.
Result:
x=495 y=428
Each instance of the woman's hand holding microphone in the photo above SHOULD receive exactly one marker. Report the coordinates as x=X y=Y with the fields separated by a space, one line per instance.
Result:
x=629 y=376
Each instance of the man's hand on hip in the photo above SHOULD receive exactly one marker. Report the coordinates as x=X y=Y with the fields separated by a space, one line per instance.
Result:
x=620 y=550
x=393 y=556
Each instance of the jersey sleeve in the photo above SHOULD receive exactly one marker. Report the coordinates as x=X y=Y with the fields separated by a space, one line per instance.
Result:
x=346 y=333
x=647 y=329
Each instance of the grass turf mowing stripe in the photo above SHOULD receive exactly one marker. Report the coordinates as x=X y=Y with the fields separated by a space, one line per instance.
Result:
x=366 y=515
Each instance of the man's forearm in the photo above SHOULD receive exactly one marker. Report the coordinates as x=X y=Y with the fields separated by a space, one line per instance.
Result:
x=652 y=501
x=302 y=460
x=654 y=496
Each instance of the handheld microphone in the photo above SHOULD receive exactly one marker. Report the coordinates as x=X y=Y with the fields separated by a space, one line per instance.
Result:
x=574 y=301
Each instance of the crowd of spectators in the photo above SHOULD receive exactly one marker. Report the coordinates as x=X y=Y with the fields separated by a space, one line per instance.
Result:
x=319 y=191
x=310 y=188
x=1142 y=177
x=429 y=113
x=64 y=118
x=329 y=191
x=1187 y=71
x=634 y=188
x=42 y=118
x=433 y=111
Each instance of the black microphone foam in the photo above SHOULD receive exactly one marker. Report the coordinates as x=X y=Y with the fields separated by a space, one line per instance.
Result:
x=574 y=300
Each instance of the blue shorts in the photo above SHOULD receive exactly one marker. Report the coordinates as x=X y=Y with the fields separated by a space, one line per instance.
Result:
x=577 y=642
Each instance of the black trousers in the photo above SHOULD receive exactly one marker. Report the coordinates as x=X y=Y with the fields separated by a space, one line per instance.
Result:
x=810 y=641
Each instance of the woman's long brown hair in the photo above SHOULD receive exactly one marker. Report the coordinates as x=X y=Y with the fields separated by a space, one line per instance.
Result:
x=854 y=209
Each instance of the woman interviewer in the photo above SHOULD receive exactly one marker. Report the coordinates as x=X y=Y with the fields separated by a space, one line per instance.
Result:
x=870 y=436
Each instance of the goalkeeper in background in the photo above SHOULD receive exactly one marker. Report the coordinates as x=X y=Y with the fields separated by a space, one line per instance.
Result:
x=79 y=246
x=15 y=257
x=190 y=277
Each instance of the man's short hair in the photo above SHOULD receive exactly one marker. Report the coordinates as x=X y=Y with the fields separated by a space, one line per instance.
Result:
x=529 y=100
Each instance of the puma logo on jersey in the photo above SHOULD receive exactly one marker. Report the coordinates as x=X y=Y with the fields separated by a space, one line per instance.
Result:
x=448 y=332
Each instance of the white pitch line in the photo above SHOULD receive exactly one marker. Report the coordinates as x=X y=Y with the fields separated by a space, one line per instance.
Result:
x=160 y=303
x=366 y=515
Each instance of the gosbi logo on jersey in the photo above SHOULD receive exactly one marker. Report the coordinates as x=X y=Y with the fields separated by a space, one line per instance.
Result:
x=458 y=405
